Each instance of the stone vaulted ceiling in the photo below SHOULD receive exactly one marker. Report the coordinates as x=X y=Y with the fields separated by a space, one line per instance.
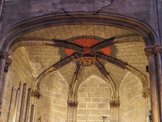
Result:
x=41 y=56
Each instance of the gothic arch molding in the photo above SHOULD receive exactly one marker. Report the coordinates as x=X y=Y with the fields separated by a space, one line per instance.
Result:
x=54 y=20
x=110 y=83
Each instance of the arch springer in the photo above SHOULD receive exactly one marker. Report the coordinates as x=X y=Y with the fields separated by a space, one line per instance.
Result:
x=36 y=94
x=146 y=93
x=7 y=57
x=114 y=103
x=72 y=103
x=152 y=50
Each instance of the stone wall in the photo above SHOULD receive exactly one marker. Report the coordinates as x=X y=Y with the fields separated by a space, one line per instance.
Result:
x=15 y=11
x=93 y=97
x=54 y=90
x=94 y=94
x=20 y=71
x=134 y=54
x=133 y=108
x=42 y=57
x=52 y=105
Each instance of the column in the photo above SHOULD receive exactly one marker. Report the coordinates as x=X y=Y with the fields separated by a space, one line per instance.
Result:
x=35 y=95
x=158 y=51
x=114 y=110
x=153 y=84
x=1 y=7
x=5 y=63
x=72 y=110
x=2 y=64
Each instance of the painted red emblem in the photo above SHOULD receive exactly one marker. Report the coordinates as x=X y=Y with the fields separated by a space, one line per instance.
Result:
x=87 y=44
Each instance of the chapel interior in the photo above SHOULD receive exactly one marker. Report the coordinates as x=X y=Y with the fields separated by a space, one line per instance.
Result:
x=88 y=88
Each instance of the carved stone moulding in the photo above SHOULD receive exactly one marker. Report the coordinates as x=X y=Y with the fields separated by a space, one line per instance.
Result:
x=87 y=61
x=5 y=56
x=35 y=93
x=151 y=51
x=158 y=48
x=146 y=93
x=114 y=103
x=72 y=103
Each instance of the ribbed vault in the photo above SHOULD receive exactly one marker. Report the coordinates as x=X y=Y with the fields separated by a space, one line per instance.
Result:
x=60 y=83
x=130 y=49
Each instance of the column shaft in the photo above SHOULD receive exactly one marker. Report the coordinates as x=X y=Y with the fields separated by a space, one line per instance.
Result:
x=32 y=113
x=22 y=103
x=2 y=64
x=154 y=89
x=159 y=65
x=114 y=110
x=2 y=89
x=72 y=110
x=27 y=106
x=5 y=62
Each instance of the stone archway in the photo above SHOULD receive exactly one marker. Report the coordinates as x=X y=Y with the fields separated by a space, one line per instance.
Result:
x=49 y=20
x=8 y=39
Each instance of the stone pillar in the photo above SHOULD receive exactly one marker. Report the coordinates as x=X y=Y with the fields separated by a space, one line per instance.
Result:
x=4 y=65
x=114 y=110
x=1 y=7
x=158 y=52
x=72 y=111
x=153 y=84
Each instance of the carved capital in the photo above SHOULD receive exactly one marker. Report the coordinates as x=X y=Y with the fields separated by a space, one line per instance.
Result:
x=146 y=93
x=114 y=103
x=5 y=55
x=8 y=61
x=149 y=52
x=158 y=49
x=152 y=50
x=72 y=103
x=35 y=93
